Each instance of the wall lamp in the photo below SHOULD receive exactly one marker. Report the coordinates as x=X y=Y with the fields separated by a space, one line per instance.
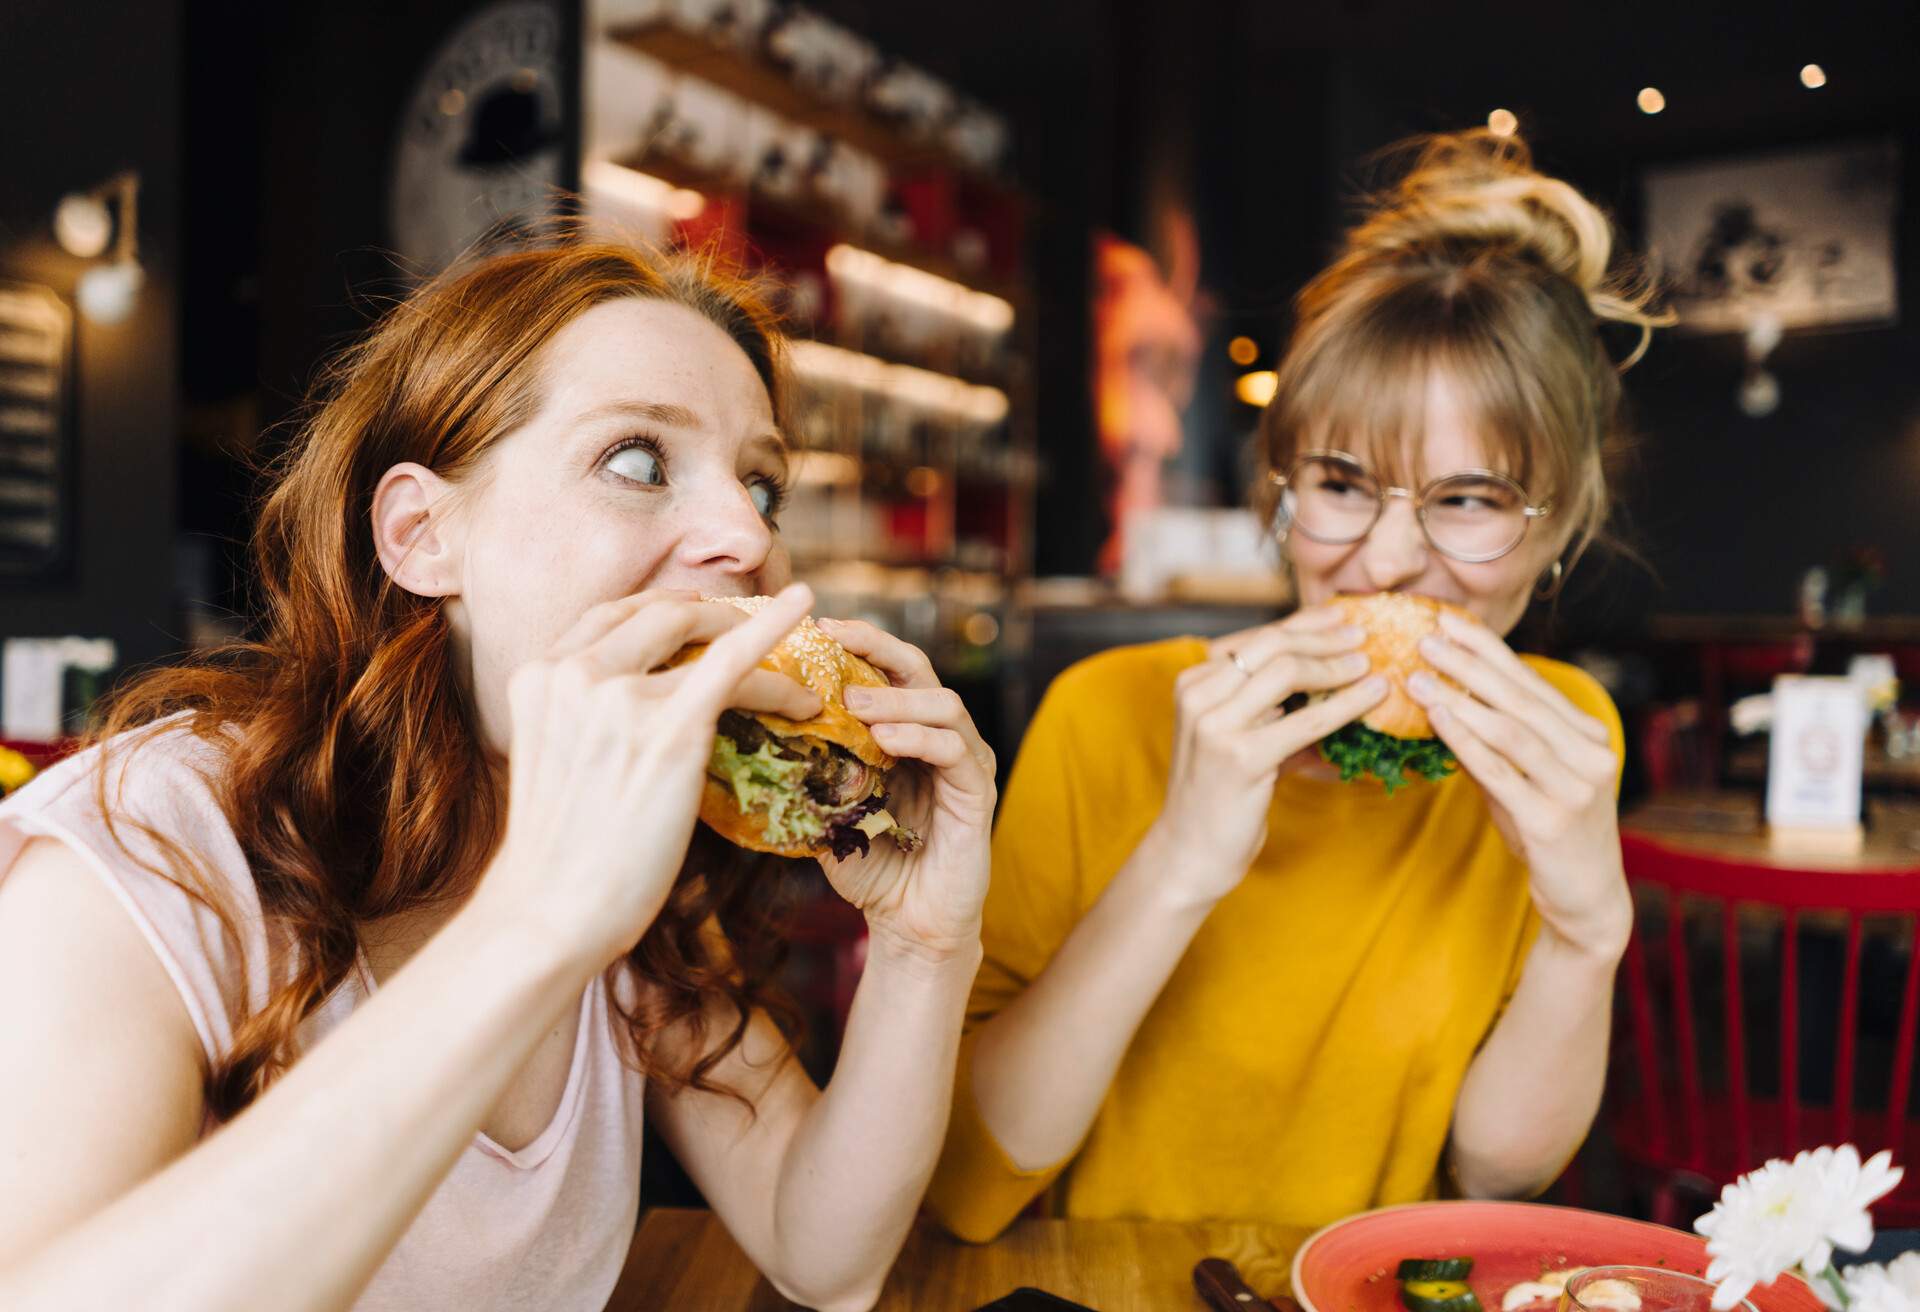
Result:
x=85 y=224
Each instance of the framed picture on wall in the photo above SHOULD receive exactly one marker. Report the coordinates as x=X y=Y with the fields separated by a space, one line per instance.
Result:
x=36 y=432
x=1804 y=236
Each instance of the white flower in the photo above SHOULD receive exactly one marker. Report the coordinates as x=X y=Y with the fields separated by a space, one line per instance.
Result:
x=1894 y=1287
x=1789 y=1214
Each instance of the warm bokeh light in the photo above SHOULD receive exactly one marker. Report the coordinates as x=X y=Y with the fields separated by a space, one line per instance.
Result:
x=1243 y=350
x=642 y=189
x=984 y=311
x=106 y=293
x=82 y=225
x=920 y=388
x=1503 y=123
x=1257 y=388
x=980 y=628
x=1650 y=100
x=923 y=481
x=685 y=204
x=1813 y=77
x=824 y=469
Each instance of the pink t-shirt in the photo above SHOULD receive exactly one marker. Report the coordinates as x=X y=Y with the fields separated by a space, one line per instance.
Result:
x=545 y=1227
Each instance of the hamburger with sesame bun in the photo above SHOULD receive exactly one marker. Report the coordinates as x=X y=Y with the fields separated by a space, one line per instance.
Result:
x=800 y=787
x=1394 y=742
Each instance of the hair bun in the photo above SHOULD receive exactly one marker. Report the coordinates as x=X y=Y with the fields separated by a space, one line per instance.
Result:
x=1478 y=189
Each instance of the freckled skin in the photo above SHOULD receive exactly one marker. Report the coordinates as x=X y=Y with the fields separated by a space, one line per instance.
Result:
x=556 y=522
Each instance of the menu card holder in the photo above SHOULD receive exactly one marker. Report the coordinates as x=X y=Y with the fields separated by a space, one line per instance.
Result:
x=1814 y=766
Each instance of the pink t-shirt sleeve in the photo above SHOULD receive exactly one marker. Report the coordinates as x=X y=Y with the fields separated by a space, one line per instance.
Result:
x=158 y=780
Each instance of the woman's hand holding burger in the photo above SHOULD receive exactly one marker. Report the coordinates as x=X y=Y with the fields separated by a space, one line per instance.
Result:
x=608 y=756
x=926 y=902
x=1231 y=739
x=1548 y=773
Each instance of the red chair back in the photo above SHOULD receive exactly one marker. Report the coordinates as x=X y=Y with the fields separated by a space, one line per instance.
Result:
x=1673 y=747
x=1667 y=1118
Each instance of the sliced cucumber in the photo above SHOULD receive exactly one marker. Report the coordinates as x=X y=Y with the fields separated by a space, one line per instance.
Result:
x=1438 y=1296
x=1434 y=1268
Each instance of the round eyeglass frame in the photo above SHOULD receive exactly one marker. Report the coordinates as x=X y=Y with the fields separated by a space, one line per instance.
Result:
x=1529 y=511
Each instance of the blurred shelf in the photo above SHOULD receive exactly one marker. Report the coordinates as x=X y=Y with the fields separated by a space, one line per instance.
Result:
x=806 y=559
x=764 y=83
x=811 y=213
x=1780 y=628
x=872 y=434
x=1077 y=594
x=1001 y=379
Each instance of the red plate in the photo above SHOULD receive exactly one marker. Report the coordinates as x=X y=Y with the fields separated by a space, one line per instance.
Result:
x=1348 y=1267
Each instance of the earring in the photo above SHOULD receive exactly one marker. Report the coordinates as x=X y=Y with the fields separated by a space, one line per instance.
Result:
x=1549 y=585
x=1282 y=523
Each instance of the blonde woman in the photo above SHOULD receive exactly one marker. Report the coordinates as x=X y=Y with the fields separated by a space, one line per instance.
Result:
x=1219 y=982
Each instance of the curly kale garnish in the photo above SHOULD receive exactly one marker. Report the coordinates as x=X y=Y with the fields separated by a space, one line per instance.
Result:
x=1359 y=751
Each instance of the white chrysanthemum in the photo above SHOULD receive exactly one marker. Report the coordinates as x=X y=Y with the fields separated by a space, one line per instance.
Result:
x=1789 y=1214
x=1894 y=1287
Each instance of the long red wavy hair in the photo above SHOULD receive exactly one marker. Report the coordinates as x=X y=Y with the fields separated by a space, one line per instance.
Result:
x=355 y=781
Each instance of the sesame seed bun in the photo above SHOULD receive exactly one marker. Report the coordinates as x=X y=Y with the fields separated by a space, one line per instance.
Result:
x=808 y=656
x=1394 y=623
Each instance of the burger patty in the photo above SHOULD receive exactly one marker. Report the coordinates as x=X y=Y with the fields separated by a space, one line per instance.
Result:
x=835 y=778
x=748 y=734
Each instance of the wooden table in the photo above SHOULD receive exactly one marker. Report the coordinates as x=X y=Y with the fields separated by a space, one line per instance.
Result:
x=1729 y=823
x=685 y=1260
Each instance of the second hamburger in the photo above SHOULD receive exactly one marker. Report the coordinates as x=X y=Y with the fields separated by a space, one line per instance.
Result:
x=1394 y=742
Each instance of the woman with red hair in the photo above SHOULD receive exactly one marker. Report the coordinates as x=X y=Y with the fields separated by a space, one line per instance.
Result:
x=405 y=899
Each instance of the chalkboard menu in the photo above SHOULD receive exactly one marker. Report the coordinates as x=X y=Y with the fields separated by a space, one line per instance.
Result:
x=36 y=448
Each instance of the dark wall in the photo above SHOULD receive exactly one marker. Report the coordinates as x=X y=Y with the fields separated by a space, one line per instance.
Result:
x=1733 y=509
x=85 y=91
x=293 y=113
x=1728 y=510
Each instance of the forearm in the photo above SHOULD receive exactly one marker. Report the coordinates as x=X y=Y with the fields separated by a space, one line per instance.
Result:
x=1530 y=1096
x=311 y=1187
x=853 y=1175
x=1042 y=1067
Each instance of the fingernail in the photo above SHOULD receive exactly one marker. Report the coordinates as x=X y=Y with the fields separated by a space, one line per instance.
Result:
x=1422 y=686
x=858 y=698
x=1350 y=633
x=1355 y=664
x=1432 y=648
x=1452 y=623
x=1376 y=686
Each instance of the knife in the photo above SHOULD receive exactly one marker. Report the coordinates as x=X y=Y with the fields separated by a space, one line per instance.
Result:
x=1218 y=1282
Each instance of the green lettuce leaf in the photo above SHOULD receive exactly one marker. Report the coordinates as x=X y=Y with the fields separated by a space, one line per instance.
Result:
x=1358 y=751
x=764 y=781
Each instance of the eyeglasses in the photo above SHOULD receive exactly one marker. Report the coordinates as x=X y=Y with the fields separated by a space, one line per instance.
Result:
x=1473 y=515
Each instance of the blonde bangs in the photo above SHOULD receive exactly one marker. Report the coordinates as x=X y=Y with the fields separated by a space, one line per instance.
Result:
x=1360 y=379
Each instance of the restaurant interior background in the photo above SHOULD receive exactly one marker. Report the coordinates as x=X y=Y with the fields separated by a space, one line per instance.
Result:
x=1044 y=253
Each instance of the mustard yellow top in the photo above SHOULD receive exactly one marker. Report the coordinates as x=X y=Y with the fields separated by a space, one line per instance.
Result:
x=1303 y=1060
